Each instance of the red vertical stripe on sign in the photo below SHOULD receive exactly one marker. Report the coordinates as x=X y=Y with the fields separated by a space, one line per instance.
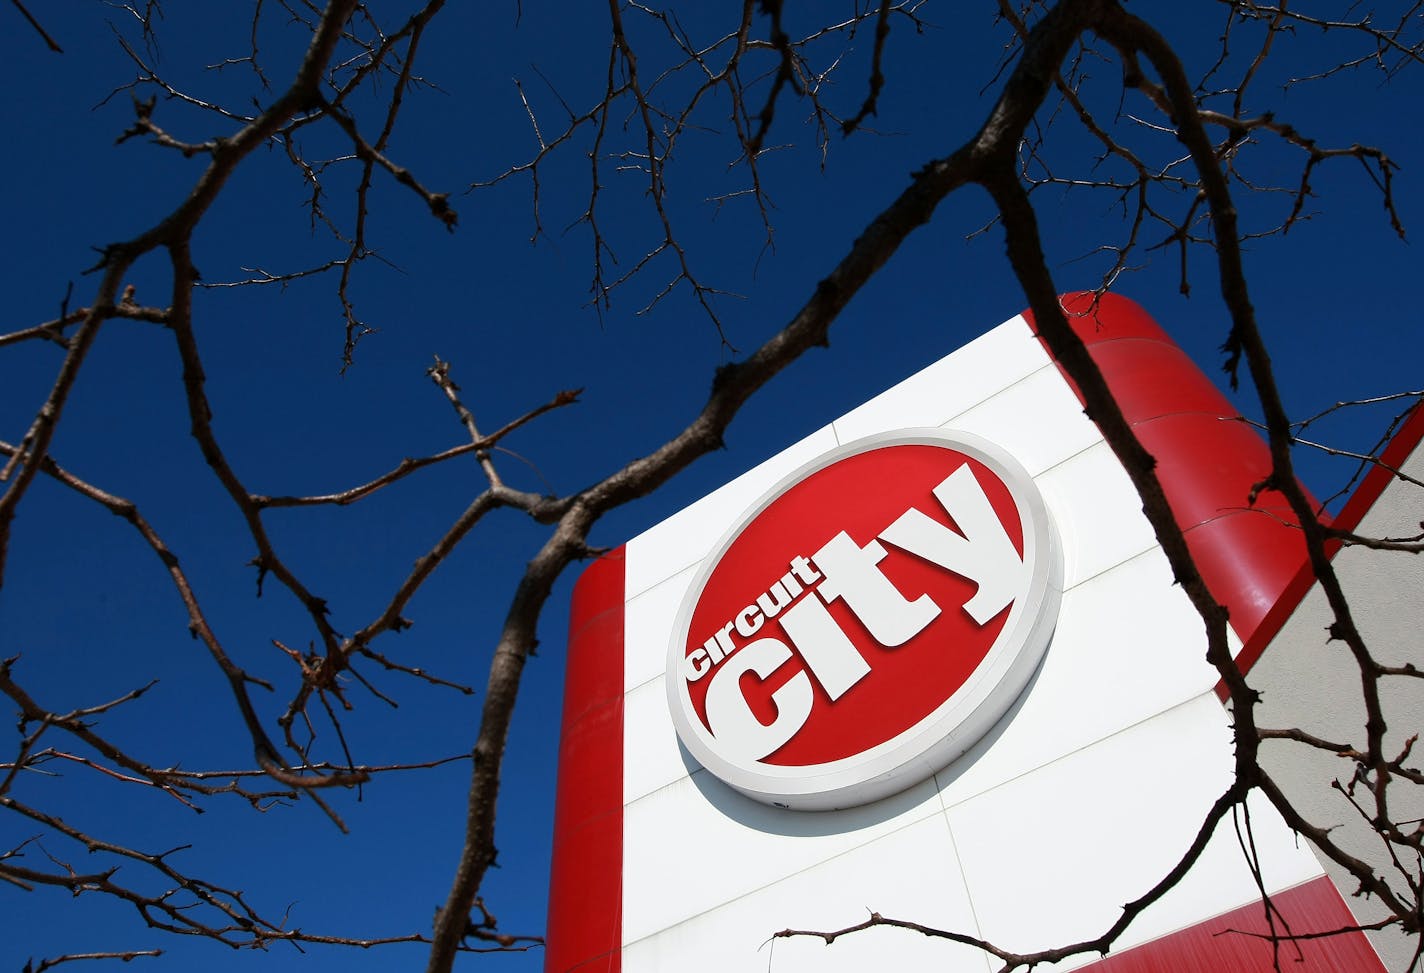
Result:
x=1235 y=941
x=585 y=885
x=1207 y=459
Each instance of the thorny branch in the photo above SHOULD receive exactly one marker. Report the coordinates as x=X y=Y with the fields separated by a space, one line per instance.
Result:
x=48 y=964
x=38 y=28
x=728 y=71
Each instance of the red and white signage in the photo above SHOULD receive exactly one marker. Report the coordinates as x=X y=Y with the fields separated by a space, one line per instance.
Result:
x=873 y=615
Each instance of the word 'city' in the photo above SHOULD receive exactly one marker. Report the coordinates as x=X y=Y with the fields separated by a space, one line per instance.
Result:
x=981 y=552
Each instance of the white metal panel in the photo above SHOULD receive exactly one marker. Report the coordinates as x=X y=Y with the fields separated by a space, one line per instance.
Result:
x=900 y=874
x=1038 y=419
x=984 y=367
x=697 y=844
x=690 y=534
x=1097 y=512
x=647 y=626
x=1128 y=646
x=1101 y=826
x=652 y=757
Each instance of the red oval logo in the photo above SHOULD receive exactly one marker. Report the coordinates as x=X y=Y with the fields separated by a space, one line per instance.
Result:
x=868 y=610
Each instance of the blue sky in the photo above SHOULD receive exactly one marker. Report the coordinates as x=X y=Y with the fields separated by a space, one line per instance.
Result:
x=89 y=609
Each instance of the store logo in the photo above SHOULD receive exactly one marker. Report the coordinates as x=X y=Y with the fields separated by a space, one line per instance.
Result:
x=872 y=617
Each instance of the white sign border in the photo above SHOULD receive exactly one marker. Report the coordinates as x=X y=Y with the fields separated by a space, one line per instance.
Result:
x=957 y=723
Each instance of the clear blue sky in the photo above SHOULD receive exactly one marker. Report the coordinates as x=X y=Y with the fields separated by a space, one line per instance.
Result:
x=90 y=611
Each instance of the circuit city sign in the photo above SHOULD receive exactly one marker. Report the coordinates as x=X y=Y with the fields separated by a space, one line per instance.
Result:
x=871 y=617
